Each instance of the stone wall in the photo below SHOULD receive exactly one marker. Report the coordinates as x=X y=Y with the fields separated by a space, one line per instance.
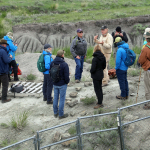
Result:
x=32 y=37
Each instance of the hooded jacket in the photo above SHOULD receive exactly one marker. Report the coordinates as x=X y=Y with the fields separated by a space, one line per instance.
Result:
x=121 y=56
x=11 y=48
x=78 y=47
x=98 y=65
x=64 y=71
x=47 y=59
x=4 y=61
x=144 y=58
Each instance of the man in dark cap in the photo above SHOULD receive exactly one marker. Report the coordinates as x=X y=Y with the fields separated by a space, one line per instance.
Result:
x=48 y=83
x=78 y=49
x=4 y=70
x=118 y=33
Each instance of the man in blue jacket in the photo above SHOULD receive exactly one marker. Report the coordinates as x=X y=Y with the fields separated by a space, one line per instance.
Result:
x=121 y=68
x=4 y=70
x=11 y=48
x=60 y=86
x=48 y=83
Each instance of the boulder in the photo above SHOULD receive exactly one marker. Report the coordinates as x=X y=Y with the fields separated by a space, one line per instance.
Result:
x=78 y=89
x=86 y=84
x=66 y=144
x=73 y=94
x=56 y=137
x=65 y=135
x=72 y=103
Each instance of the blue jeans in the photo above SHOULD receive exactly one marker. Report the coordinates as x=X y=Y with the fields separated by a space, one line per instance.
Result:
x=47 y=87
x=122 y=79
x=59 y=91
x=79 y=67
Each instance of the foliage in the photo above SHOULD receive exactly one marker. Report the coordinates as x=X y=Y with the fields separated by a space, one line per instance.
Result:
x=89 y=100
x=73 y=145
x=20 y=121
x=72 y=130
x=4 y=125
x=31 y=77
x=133 y=72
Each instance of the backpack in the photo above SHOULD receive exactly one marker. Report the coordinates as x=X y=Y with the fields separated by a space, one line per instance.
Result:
x=41 y=63
x=16 y=88
x=54 y=73
x=131 y=57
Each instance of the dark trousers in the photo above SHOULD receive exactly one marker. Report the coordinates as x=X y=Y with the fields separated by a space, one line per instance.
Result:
x=47 y=87
x=15 y=69
x=123 y=83
x=98 y=90
x=4 y=82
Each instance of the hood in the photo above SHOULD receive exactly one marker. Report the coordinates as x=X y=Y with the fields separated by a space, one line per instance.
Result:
x=44 y=52
x=58 y=60
x=99 y=55
x=4 y=48
x=7 y=38
x=123 y=45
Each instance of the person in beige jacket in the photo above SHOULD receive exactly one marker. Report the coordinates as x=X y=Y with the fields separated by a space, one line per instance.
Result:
x=106 y=43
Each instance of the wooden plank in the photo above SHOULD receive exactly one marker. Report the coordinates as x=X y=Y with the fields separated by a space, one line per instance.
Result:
x=31 y=89
x=27 y=84
x=37 y=89
x=40 y=91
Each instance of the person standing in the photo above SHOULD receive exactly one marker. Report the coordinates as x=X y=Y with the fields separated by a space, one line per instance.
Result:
x=11 y=48
x=121 y=68
x=48 y=83
x=78 y=49
x=106 y=42
x=4 y=70
x=98 y=65
x=60 y=86
x=118 y=33
x=144 y=60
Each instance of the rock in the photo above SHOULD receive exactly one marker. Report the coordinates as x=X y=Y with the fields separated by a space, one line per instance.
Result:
x=133 y=94
x=83 y=113
x=73 y=94
x=68 y=143
x=78 y=88
x=131 y=128
x=56 y=137
x=68 y=99
x=86 y=84
x=130 y=117
x=65 y=135
x=72 y=114
x=72 y=103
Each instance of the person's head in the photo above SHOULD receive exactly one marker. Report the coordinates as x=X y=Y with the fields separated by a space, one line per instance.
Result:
x=118 y=29
x=80 y=33
x=146 y=30
x=97 y=48
x=147 y=36
x=118 y=39
x=10 y=35
x=60 y=53
x=48 y=48
x=104 y=30
x=3 y=43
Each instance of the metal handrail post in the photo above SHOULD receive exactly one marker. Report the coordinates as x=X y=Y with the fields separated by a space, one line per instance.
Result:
x=77 y=129
x=38 y=140
x=35 y=143
x=80 y=136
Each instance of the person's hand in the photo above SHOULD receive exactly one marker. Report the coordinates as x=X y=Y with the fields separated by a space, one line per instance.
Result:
x=117 y=33
x=10 y=56
x=121 y=34
x=78 y=57
x=101 y=42
x=95 y=37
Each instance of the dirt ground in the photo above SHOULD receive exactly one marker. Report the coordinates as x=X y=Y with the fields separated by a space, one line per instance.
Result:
x=41 y=115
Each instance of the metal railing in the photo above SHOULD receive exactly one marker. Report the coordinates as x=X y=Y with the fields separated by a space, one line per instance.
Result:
x=79 y=134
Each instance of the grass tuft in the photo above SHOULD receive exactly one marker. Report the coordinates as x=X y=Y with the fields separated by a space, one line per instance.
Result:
x=31 y=77
x=88 y=100
x=72 y=130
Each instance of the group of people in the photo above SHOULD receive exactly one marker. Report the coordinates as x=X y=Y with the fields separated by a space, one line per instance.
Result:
x=7 y=63
x=99 y=68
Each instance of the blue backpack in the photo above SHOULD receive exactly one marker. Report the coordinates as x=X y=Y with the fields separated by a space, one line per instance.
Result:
x=131 y=57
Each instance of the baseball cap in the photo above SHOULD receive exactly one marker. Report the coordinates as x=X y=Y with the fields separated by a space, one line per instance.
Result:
x=46 y=46
x=79 y=30
x=146 y=30
x=147 y=35
x=60 y=53
x=103 y=27
x=118 y=39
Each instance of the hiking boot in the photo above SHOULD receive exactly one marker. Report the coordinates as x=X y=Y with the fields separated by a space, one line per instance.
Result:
x=104 y=84
x=5 y=101
x=51 y=102
x=64 y=116
x=98 y=106
x=127 y=97
x=55 y=115
x=44 y=99
x=77 y=81
x=120 y=97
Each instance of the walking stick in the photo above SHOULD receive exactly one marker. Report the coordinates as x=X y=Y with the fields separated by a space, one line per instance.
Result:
x=139 y=84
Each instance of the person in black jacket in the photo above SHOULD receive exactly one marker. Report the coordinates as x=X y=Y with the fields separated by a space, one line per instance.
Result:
x=98 y=65
x=60 y=86
x=119 y=33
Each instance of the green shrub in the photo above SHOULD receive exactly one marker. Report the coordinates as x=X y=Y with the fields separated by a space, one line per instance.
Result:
x=4 y=125
x=73 y=145
x=88 y=100
x=72 y=130
x=54 y=6
x=31 y=77
x=20 y=121
x=133 y=72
